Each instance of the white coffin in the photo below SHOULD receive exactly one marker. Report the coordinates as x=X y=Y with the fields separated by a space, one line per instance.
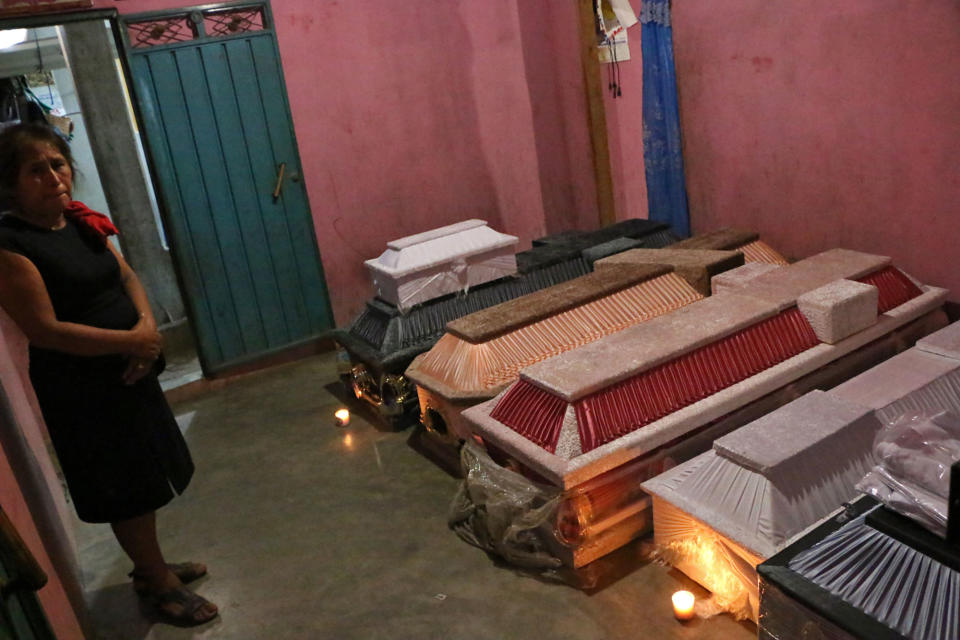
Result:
x=914 y=381
x=428 y=265
x=720 y=514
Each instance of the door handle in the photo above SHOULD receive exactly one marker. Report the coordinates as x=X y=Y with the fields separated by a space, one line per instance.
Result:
x=278 y=187
x=25 y=573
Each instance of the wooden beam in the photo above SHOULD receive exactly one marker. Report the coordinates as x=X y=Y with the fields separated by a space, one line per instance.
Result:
x=596 y=114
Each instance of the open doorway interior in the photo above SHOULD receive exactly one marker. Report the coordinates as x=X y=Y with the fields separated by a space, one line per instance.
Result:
x=38 y=79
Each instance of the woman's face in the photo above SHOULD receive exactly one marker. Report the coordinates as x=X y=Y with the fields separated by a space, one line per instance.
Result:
x=45 y=183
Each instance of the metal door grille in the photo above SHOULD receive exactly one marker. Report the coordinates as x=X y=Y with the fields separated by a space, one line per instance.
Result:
x=232 y=21
x=159 y=32
x=200 y=23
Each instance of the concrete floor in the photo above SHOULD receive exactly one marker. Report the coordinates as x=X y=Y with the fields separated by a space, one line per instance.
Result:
x=312 y=532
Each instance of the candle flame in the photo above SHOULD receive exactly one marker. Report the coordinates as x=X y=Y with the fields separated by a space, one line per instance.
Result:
x=683 y=605
x=683 y=599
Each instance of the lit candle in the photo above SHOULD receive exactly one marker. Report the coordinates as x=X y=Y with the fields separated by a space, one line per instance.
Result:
x=341 y=418
x=683 y=605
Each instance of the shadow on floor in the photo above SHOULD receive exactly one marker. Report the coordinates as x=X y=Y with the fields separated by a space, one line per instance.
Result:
x=121 y=615
x=119 y=605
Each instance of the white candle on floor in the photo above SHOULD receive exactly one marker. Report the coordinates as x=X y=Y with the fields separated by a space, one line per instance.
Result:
x=683 y=605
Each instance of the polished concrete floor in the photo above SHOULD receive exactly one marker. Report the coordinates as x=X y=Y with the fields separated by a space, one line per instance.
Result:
x=313 y=531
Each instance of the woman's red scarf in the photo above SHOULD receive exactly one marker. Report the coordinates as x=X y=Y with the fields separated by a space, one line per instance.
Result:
x=91 y=220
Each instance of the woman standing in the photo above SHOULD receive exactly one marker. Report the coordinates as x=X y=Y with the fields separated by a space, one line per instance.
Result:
x=94 y=349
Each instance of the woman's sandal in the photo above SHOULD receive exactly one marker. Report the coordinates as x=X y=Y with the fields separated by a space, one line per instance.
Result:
x=186 y=572
x=181 y=607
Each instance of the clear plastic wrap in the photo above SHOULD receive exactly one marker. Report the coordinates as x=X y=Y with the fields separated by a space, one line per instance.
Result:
x=912 y=474
x=503 y=512
x=561 y=536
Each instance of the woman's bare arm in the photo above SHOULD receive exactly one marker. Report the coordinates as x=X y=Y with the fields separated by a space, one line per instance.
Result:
x=24 y=297
x=134 y=289
x=138 y=367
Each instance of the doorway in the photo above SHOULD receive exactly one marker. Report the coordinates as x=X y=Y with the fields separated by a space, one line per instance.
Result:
x=70 y=75
x=217 y=122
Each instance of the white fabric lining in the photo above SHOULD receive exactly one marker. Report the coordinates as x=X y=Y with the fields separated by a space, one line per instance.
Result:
x=458 y=275
x=760 y=513
x=942 y=393
x=719 y=564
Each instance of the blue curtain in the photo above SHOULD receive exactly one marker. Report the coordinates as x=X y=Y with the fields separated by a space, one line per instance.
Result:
x=662 y=151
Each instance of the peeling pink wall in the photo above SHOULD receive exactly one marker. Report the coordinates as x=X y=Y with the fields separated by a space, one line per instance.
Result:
x=412 y=115
x=825 y=124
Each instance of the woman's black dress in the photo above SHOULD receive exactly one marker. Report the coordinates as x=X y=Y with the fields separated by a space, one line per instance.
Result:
x=119 y=446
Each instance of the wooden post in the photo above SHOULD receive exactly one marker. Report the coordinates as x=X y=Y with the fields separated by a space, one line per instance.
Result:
x=596 y=115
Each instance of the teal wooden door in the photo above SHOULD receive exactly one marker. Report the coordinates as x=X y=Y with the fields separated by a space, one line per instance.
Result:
x=217 y=124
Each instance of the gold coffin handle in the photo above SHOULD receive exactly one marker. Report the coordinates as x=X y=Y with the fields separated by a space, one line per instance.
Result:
x=278 y=187
x=25 y=573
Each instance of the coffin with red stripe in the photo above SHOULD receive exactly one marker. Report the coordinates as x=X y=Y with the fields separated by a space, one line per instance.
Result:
x=482 y=353
x=573 y=417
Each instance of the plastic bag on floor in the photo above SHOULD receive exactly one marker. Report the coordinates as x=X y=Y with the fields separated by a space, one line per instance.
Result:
x=912 y=474
x=502 y=512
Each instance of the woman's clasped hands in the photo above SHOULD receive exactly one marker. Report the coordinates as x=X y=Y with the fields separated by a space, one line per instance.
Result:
x=146 y=343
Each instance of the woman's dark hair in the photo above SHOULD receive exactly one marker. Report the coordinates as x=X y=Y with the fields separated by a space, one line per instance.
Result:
x=13 y=142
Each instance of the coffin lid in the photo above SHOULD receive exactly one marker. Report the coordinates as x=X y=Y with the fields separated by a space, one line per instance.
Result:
x=726 y=238
x=945 y=342
x=508 y=316
x=437 y=246
x=794 y=438
x=904 y=374
x=696 y=266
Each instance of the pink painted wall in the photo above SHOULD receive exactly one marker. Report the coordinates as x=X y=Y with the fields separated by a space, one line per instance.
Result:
x=22 y=405
x=551 y=58
x=625 y=131
x=408 y=116
x=52 y=597
x=825 y=124
x=414 y=115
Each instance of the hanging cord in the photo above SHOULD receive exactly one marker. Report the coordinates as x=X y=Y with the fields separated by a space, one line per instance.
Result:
x=611 y=79
x=615 y=68
x=616 y=72
x=609 y=73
